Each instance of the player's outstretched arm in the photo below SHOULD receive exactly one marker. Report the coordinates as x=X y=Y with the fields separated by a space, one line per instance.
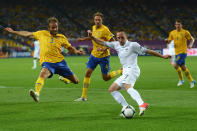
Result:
x=191 y=42
x=20 y=33
x=73 y=50
x=157 y=54
x=83 y=39
x=98 y=41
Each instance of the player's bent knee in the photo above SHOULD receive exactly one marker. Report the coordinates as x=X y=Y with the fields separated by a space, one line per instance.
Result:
x=106 y=78
x=111 y=90
x=45 y=73
x=114 y=87
x=88 y=73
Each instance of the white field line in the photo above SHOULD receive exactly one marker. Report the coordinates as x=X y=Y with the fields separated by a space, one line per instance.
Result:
x=68 y=88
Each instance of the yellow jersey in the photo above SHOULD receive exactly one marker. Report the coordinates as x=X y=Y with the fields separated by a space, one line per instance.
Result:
x=180 y=40
x=103 y=33
x=50 y=46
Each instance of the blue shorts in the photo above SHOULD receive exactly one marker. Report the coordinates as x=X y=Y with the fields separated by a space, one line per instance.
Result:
x=180 y=59
x=60 y=68
x=103 y=62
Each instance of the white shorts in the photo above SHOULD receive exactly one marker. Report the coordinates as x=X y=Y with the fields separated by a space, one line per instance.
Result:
x=129 y=76
x=171 y=51
x=37 y=54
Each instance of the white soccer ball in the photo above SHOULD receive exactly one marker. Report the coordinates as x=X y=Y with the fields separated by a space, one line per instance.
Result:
x=128 y=112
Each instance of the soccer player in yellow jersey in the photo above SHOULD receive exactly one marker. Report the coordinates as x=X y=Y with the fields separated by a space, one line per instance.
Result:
x=99 y=55
x=51 y=59
x=180 y=37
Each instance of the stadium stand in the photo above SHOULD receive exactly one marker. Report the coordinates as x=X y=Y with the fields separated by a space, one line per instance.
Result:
x=141 y=20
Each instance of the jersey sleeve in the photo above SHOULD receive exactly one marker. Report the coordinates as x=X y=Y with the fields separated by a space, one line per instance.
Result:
x=138 y=48
x=110 y=44
x=37 y=34
x=108 y=35
x=188 y=35
x=65 y=42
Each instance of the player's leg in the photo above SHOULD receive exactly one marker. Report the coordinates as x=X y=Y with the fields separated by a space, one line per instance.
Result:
x=86 y=84
x=36 y=57
x=113 y=89
x=188 y=75
x=129 y=78
x=34 y=63
x=72 y=78
x=66 y=75
x=105 y=67
x=136 y=96
x=45 y=73
x=178 y=69
x=91 y=65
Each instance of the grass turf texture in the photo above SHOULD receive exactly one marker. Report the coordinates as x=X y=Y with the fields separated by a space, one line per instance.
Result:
x=172 y=108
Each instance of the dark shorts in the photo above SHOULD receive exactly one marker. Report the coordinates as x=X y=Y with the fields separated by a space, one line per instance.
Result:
x=60 y=68
x=103 y=62
x=180 y=59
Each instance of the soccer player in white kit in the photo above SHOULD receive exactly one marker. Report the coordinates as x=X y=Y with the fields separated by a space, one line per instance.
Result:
x=36 y=54
x=127 y=53
x=172 y=52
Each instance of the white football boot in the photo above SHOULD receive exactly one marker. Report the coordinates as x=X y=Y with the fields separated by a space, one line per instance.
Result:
x=80 y=99
x=34 y=95
x=180 y=83
x=62 y=79
x=192 y=84
x=142 y=108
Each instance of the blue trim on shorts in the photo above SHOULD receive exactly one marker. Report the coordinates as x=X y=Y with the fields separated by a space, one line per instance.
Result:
x=60 y=68
x=103 y=62
x=180 y=59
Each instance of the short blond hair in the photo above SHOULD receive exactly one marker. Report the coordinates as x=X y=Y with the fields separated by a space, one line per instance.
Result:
x=52 y=19
x=98 y=14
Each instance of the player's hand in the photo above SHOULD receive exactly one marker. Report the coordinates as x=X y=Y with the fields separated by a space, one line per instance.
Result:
x=79 y=39
x=80 y=52
x=10 y=30
x=189 y=46
x=101 y=49
x=89 y=33
x=166 y=40
x=166 y=56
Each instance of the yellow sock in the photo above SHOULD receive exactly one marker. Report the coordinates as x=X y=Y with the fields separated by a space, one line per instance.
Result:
x=115 y=73
x=39 y=84
x=67 y=81
x=180 y=73
x=86 y=83
x=187 y=73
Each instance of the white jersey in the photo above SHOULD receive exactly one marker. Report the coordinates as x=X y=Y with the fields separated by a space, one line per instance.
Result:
x=36 y=49
x=127 y=54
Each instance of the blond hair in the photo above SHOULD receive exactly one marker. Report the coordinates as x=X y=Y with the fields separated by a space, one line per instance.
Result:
x=52 y=19
x=98 y=14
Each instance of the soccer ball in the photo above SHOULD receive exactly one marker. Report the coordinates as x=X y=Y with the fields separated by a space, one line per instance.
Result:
x=128 y=112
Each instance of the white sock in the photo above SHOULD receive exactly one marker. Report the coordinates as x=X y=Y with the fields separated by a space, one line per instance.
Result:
x=135 y=95
x=35 y=63
x=119 y=98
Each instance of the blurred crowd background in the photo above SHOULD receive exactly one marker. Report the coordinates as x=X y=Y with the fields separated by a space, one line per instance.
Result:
x=143 y=20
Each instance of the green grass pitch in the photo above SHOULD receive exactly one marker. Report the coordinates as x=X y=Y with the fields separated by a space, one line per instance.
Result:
x=172 y=108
